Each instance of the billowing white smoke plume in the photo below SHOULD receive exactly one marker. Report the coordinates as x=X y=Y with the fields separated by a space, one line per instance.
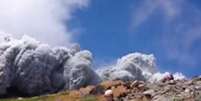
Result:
x=130 y=67
x=159 y=76
x=45 y=20
x=135 y=66
x=35 y=68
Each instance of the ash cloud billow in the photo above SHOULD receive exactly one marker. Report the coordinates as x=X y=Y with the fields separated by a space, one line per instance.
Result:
x=134 y=66
x=35 y=68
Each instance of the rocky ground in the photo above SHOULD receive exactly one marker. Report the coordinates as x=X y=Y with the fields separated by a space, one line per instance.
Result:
x=166 y=90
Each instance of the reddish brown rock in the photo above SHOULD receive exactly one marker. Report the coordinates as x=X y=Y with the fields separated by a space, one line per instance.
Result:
x=103 y=98
x=75 y=94
x=87 y=91
x=110 y=84
x=120 y=91
x=142 y=98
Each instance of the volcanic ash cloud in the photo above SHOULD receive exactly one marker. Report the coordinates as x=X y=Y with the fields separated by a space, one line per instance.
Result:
x=35 y=68
x=134 y=66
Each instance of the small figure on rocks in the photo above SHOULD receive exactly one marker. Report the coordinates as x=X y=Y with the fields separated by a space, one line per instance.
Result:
x=167 y=77
x=108 y=95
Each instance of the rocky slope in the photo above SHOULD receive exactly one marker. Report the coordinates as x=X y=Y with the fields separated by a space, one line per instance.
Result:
x=168 y=90
x=164 y=90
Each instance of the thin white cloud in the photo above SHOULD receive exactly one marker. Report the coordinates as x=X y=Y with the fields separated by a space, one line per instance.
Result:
x=182 y=26
x=142 y=13
x=170 y=8
x=45 y=20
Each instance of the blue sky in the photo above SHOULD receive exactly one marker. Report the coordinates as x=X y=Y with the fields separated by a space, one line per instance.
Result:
x=170 y=29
